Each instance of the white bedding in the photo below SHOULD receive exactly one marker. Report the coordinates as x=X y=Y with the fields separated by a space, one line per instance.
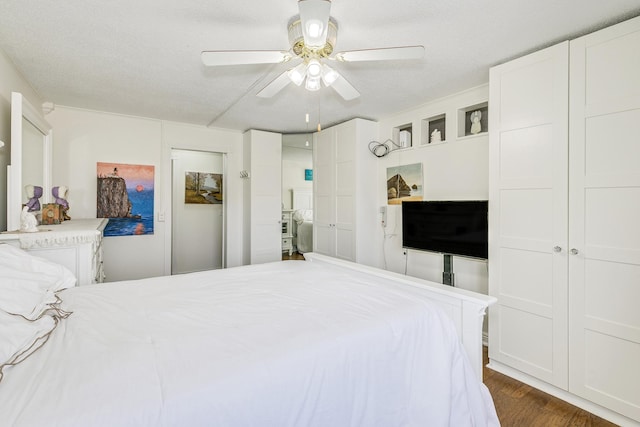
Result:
x=304 y=237
x=283 y=344
x=303 y=230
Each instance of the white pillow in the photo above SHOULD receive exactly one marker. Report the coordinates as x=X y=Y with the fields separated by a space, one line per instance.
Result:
x=25 y=296
x=28 y=283
x=20 y=337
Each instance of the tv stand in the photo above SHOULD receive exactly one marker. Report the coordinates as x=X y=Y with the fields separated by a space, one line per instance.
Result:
x=447 y=274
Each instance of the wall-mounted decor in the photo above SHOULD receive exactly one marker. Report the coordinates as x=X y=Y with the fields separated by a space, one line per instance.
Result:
x=202 y=188
x=308 y=174
x=404 y=183
x=125 y=196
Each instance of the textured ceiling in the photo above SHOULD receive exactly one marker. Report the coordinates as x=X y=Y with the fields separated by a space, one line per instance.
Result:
x=142 y=57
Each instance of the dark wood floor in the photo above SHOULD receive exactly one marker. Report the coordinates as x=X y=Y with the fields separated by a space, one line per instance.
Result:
x=518 y=404
x=295 y=256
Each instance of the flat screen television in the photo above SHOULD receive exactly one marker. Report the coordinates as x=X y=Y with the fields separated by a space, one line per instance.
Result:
x=449 y=227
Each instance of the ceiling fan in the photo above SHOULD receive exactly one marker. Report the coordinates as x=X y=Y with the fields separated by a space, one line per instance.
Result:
x=312 y=35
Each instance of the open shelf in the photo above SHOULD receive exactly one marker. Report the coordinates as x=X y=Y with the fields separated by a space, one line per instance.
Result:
x=473 y=120
x=402 y=135
x=431 y=125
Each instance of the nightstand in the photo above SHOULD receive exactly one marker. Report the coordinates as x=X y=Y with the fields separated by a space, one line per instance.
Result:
x=287 y=235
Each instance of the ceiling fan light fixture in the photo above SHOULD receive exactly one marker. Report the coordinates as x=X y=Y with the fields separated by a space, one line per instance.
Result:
x=312 y=84
x=314 y=15
x=314 y=69
x=298 y=73
x=329 y=75
x=314 y=28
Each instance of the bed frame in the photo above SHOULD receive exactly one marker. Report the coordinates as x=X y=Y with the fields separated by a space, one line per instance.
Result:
x=467 y=309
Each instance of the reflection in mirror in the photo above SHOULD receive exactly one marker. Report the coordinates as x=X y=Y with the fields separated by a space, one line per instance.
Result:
x=31 y=137
x=32 y=158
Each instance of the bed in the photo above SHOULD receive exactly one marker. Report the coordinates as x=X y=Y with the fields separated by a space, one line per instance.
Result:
x=320 y=342
x=303 y=230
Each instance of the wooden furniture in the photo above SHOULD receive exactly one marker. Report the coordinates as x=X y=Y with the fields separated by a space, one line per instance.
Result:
x=564 y=237
x=344 y=193
x=76 y=244
x=287 y=235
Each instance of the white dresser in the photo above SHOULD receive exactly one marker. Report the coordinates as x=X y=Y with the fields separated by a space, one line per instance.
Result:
x=76 y=244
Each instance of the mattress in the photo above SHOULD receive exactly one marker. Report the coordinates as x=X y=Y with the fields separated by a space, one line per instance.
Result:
x=290 y=343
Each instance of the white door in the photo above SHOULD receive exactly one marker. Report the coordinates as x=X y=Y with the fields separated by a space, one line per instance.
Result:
x=528 y=214
x=196 y=222
x=266 y=196
x=345 y=181
x=604 y=233
x=324 y=192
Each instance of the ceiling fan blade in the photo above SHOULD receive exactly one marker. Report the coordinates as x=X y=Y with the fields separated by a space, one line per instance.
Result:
x=242 y=57
x=314 y=18
x=344 y=89
x=275 y=86
x=382 y=54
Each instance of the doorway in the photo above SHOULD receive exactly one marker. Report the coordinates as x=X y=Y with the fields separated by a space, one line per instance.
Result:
x=197 y=211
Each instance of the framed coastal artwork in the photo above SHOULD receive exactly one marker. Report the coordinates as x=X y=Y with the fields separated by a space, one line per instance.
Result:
x=125 y=195
x=404 y=183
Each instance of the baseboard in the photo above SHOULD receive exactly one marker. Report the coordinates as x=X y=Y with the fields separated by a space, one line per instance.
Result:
x=589 y=406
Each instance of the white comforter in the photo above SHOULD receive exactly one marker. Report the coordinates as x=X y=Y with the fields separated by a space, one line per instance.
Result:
x=284 y=344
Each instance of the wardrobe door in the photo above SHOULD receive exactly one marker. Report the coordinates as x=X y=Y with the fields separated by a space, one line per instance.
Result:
x=604 y=233
x=528 y=214
x=345 y=191
x=324 y=207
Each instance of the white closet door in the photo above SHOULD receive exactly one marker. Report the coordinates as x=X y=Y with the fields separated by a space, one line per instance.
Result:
x=345 y=191
x=604 y=287
x=528 y=214
x=323 y=192
x=266 y=196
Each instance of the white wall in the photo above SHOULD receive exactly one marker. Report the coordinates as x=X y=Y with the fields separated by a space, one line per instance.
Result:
x=82 y=138
x=294 y=162
x=457 y=169
x=10 y=81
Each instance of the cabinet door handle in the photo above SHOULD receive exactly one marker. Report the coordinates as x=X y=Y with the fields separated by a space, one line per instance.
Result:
x=574 y=251
x=557 y=249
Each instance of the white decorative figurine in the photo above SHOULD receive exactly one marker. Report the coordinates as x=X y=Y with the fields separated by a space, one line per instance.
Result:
x=475 y=117
x=28 y=222
x=435 y=136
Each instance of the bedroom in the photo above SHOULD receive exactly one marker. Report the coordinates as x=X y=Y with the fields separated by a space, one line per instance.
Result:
x=86 y=135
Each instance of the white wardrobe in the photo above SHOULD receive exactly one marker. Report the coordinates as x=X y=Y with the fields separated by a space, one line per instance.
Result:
x=564 y=220
x=262 y=160
x=345 y=207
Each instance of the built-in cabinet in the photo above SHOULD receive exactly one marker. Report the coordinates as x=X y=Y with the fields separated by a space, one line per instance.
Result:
x=76 y=244
x=564 y=247
x=344 y=191
x=262 y=174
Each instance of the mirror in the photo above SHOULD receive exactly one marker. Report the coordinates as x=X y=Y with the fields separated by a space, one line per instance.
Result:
x=31 y=139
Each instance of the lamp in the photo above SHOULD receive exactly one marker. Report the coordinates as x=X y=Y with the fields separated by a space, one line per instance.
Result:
x=314 y=69
x=313 y=83
x=314 y=72
x=298 y=73
x=315 y=16
x=329 y=75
